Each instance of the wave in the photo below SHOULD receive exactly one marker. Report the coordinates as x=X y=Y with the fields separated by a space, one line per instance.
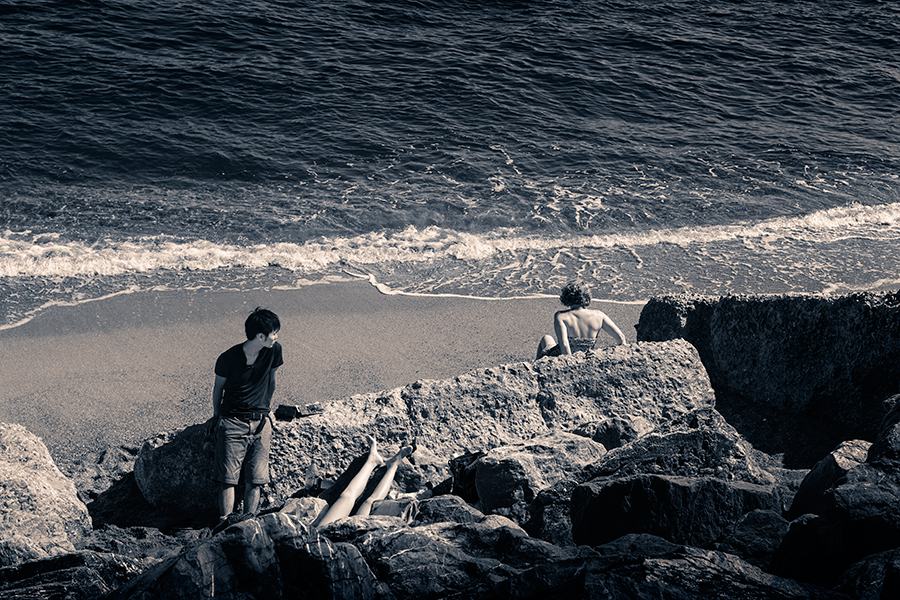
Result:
x=24 y=254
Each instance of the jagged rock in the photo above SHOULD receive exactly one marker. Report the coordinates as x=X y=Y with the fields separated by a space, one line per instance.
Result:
x=509 y=477
x=612 y=433
x=643 y=567
x=685 y=510
x=551 y=514
x=145 y=544
x=636 y=383
x=794 y=374
x=824 y=475
x=272 y=556
x=448 y=508
x=697 y=444
x=384 y=558
x=875 y=577
x=449 y=559
x=755 y=537
x=95 y=472
x=77 y=576
x=857 y=516
x=884 y=453
x=174 y=471
x=40 y=513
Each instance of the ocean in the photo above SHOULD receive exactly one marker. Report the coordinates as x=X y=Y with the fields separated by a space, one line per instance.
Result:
x=489 y=149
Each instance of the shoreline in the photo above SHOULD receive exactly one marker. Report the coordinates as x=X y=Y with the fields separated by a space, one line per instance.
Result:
x=118 y=370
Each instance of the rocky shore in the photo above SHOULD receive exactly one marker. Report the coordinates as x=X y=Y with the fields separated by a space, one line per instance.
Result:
x=744 y=447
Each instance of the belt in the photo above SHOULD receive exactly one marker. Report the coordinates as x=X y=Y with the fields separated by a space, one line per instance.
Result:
x=248 y=416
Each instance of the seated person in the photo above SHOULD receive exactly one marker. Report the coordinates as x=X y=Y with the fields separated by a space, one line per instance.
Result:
x=343 y=506
x=578 y=326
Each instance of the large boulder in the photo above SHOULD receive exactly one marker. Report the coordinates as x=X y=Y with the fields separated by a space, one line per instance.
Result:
x=795 y=374
x=174 y=471
x=859 y=515
x=40 y=513
x=698 y=444
x=684 y=510
x=640 y=384
x=875 y=577
x=755 y=537
x=643 y=566
x=508 y=478
x=695 y=444
x=84 y=575
x=824 y=475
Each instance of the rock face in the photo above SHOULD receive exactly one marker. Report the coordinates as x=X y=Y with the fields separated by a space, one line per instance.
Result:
x=856 y=516
x=795 y=374
x=78 y=576
x=278 y=556
x=40 y=513
x=638 y=385
x=509 y=477
x=173 y=471
x=825 y=474
x=686 y=510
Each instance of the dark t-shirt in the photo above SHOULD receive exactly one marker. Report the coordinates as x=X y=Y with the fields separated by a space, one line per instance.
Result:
x=248 y=388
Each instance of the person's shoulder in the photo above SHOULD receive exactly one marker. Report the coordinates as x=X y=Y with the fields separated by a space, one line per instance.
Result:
x=234 y=349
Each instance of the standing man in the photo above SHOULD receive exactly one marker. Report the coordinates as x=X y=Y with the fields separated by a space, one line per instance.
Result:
x=242 y=399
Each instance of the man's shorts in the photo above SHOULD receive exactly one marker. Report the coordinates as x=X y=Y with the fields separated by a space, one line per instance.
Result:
x=242 y=443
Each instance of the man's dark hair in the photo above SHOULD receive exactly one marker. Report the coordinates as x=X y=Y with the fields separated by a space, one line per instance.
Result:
x=261 y=320
x=575 y=293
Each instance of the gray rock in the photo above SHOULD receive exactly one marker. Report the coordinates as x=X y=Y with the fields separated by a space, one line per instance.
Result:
x=698 y=444
x=824 y=475
x=794 y=374
x=81 y=575
x=689 y=573
x=273 y=556
x=174 y=471
x=683 y=510
x=857 y=516
x=551 y=514
x=644 y=384
x=755 y=537
x=509 y=477
x=40 y=513
x=875 y=577
x=447 y=509
x=884 y=453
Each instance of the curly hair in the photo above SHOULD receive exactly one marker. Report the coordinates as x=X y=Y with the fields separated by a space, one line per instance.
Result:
x=575 y=293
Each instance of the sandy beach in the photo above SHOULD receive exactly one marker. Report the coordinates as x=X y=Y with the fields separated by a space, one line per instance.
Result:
x=119 y=370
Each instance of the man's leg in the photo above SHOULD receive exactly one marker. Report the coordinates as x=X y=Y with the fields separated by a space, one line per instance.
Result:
x=230 y=446
x=256 y=464
x=226 y=500
x=251 y=498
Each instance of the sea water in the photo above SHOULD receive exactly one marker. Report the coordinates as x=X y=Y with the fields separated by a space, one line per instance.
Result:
x=491 y=149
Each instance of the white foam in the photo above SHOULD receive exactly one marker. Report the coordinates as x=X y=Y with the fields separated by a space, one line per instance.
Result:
x=45 y=255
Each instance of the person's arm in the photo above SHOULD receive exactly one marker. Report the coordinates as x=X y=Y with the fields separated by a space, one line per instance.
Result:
x=610 y=328
x=562 y=335
x=218 y=389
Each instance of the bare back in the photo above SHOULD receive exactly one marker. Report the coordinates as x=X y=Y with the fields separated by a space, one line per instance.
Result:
x=583 y=323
